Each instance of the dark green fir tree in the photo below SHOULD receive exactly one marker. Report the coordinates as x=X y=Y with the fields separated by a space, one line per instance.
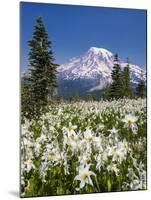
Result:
x=42 y=76
x=105 y=92
x=126 y=81
x=141 y=88
x=116 y=85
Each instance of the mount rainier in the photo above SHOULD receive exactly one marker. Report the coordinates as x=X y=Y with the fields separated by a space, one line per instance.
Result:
x=91 y=72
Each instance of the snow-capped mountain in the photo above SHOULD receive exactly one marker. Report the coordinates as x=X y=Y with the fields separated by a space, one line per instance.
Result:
x=93 y=70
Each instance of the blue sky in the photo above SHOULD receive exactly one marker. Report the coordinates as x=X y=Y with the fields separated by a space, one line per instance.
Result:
x=74 y=29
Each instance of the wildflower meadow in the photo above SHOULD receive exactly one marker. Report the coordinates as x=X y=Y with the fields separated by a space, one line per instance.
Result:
x=85 y=147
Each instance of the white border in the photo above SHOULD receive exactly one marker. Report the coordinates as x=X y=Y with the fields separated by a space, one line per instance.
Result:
x=9 y=98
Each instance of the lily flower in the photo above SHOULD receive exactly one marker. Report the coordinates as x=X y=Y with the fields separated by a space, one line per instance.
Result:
x=84 y=176
x=130 y=122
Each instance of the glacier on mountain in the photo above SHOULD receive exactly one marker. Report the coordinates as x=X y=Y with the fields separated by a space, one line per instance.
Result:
x=96 y=66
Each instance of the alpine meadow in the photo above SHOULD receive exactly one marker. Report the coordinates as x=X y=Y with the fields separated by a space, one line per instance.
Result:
x=84 y=121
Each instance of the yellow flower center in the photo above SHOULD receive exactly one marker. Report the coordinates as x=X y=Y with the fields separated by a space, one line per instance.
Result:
x=59 y=158
x=70 y=129
x=74 y=137
x=85 y=175
x=71 y=145
x=51 y=156
x=130 y=122
x=117 y=155
x=90 y=137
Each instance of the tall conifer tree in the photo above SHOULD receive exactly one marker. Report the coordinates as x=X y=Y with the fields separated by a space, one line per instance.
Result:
x=116 y=85
x=140 y=89
x=42 y=77
x=126 y=84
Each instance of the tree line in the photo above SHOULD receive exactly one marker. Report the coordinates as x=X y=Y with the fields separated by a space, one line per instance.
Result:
x=121 y=85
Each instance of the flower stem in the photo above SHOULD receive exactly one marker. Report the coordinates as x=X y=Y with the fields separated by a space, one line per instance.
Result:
x=98 y=188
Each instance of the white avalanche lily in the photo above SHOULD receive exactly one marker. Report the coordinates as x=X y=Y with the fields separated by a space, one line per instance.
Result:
x=111 y=150
x=70 y=130
x=88 y=134
x=29 y=165
x=113 y=130
x=84 y=176
x=124 y=146
x=118 y=155
x=72 y=145
x=113 y=167
x=130 y=122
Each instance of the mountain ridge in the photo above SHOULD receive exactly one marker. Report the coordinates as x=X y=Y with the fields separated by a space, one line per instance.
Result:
x=96 y=65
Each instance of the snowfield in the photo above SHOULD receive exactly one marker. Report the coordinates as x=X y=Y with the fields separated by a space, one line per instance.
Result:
x=96 y=64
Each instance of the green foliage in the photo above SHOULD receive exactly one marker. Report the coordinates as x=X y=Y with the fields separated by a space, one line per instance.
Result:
x=116 y=85
x=126 y=84
x=42 y=76
x=121 y=85
x=26 y=104
x=140 y=89
x=106 y=92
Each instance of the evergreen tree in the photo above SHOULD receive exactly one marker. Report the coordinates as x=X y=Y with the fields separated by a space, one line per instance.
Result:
x=26 y=104
x=140 y=89
x=126 y=84
x=116 y=85
x=106 y=92
x=42 y=79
